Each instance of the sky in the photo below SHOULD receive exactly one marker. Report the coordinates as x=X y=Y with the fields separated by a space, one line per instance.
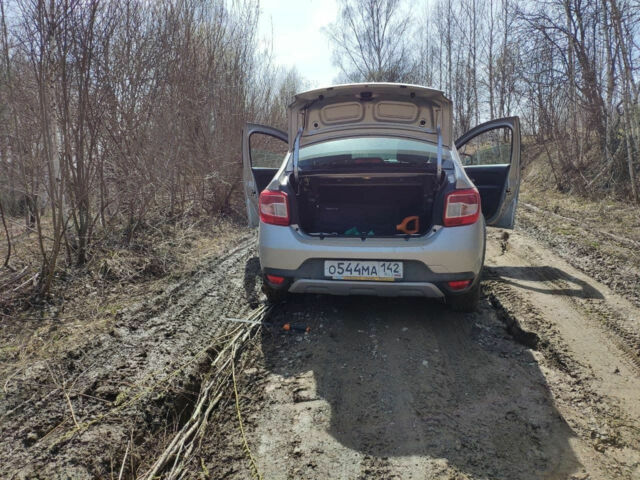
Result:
x=294 y=27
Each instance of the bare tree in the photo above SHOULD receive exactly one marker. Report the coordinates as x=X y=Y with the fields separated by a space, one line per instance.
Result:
x=567 y=67
x=123 y=114
x=629 y=90
x=371 y=41
x=588 y=54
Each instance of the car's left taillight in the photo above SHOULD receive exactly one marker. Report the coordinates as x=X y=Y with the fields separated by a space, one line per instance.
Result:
x=274 y=207
x=461 y=207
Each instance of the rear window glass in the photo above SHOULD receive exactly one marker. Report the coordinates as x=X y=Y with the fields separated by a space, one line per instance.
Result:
x=372 y=151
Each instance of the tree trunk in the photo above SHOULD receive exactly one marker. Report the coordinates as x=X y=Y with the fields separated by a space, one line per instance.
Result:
x=6 y=231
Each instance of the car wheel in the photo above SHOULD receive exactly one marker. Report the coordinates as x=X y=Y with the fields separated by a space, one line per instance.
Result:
x=274 y=295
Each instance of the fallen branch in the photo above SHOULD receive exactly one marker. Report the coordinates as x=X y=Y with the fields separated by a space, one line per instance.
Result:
x=8 y=234
x=254 y=466
x=178 y=452
x=14 y=278
x=30 y=279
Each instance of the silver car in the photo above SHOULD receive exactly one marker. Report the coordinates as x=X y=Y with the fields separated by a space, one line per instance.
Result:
x=368 y=194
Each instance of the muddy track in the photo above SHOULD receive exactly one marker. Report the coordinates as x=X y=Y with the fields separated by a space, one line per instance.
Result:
x=612 y=320
x=535 y=385
x=541 y=382
x=616 y=323
x=618 y=318
x=591 y=253
x=387 y=389
x=525 y=322
x=74 y=416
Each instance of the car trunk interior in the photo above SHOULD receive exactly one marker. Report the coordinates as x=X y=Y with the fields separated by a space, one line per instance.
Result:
x=366 y=205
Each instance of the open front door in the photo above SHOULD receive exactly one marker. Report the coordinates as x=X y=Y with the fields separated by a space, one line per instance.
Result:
x=490 y=154
x=263 y=151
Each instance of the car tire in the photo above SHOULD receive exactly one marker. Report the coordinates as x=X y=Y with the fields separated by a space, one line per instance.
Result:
x=274 y=295
x=466 y=302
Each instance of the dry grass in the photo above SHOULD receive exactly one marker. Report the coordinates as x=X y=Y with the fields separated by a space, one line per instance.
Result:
x=86 y=302
x=606 y=214
x=595 y=212
x=600 y=236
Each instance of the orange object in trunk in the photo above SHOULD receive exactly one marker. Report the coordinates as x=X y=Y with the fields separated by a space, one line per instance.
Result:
x=404 y=225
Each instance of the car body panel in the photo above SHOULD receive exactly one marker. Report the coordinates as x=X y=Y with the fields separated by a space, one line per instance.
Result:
x=445 y=250
x=503 y=177
x=255 y=179
x=365 y=109
x=382 y=289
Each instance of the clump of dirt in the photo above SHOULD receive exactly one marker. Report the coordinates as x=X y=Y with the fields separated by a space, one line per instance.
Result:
x=524 y=337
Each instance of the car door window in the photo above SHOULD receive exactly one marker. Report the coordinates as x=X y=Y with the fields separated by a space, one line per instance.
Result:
x=266 y=150
x=490 y=154
x=492 y=147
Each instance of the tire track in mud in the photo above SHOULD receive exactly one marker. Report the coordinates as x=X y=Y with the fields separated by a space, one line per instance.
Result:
x=135 y=381
x=620 y=274
x=167 y=298
x=613 y=427
x=625 y=339
x=578 y=224
x=525 y=323
x=395 y=388
x=592 y=304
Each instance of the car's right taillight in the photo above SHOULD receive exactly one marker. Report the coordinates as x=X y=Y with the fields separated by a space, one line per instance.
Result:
x=274 y=207
x=461 y=207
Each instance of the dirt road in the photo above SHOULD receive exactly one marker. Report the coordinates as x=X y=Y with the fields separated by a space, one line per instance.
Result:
x=123 y=392
x=542 y=383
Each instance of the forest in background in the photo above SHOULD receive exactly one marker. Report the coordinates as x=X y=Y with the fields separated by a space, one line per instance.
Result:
x=117 y=117
x=568 y=68
x=121 y=115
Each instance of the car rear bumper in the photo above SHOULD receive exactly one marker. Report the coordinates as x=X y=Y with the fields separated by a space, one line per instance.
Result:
x=429 y=262
x=443 y=250
x=381 y=289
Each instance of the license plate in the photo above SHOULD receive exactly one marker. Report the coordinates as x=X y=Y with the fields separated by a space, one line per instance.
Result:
x=363 y=270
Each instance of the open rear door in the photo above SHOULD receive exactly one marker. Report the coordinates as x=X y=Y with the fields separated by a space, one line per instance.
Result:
x=490 y=154
x=263 y=151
